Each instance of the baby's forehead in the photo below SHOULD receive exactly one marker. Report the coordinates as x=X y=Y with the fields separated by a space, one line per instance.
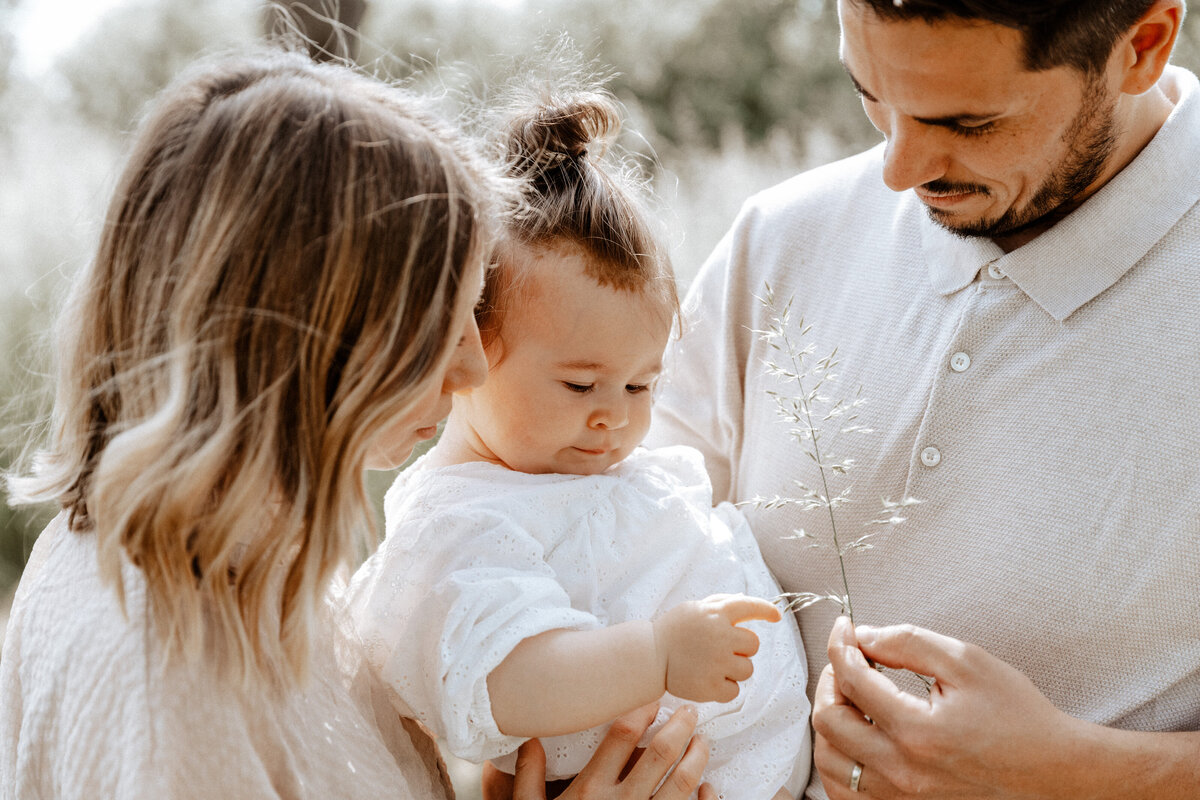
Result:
x=591 y=317
x=573 y=319
x=565 y=275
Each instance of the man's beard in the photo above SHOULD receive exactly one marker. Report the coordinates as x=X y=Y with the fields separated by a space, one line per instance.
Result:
x=1092 y=138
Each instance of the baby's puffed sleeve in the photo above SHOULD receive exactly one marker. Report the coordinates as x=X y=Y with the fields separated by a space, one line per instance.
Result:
x=442 y=602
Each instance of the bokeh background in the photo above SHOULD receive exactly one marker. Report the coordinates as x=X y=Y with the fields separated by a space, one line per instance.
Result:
x=724 y=97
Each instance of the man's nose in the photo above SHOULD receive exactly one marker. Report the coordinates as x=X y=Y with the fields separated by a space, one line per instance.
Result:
x=915 y=154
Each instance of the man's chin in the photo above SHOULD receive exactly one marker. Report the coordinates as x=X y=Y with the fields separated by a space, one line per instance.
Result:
x=1005 y=227
x=966 y=228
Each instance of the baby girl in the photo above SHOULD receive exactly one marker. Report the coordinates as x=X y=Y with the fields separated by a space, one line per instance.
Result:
x=543 y=574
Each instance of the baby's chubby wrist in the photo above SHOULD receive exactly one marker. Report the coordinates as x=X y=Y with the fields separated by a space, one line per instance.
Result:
x=665 y=630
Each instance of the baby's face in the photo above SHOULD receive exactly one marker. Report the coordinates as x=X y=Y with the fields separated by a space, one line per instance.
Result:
x=571 y=378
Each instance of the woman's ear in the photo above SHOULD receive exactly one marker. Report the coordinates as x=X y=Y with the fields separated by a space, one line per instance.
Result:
x=1146 y=47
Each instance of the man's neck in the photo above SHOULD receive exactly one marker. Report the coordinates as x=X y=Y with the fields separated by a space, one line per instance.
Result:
x=1138 y=119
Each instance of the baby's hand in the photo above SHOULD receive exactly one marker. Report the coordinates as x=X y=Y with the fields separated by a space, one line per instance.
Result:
x=703 y=651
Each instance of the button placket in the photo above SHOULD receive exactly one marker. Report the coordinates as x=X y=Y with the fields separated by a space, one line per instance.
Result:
x=953 y=384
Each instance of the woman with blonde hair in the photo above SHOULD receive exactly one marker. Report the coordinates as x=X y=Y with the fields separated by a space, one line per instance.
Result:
x=282 y=297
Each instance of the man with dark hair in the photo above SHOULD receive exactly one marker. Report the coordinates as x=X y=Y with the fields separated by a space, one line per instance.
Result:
x=1013 y=279
x=1057 y=33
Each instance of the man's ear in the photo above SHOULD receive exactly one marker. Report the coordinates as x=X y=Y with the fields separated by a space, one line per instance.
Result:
x=1146 y=47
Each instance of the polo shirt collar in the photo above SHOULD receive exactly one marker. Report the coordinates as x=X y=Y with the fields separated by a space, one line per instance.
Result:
x=1094 y=246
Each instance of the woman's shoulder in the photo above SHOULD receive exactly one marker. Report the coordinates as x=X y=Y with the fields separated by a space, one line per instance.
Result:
x=65 y=614
x=72 y=682
x=89 y=708
x=85 y=688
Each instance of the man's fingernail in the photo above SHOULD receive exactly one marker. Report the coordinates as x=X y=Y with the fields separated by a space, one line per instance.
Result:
x=866 y=634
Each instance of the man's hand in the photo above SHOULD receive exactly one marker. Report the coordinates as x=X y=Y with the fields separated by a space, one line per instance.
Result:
x=984 y=731
x=703 y=651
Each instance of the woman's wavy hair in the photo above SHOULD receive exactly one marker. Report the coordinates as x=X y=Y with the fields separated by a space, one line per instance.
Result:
x=554 y=141
x=1074 y=33
x=277 y=278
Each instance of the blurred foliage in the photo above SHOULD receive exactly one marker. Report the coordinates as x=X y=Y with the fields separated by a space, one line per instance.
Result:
x=60 y=139
x=6 y=42
x=1187 y=49
x=135 y=49
x=24 y=401
x=696 y=69
x=730 y=95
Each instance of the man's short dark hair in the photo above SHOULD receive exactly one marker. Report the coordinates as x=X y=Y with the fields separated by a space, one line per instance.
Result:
x=1072 y=33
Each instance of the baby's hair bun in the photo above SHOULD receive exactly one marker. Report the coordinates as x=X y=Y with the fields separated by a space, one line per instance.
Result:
x=555 y=134
x=554 y=138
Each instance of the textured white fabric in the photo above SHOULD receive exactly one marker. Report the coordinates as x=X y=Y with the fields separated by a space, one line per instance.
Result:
x=87 y=711
x=479 y=557
x=1060 y=528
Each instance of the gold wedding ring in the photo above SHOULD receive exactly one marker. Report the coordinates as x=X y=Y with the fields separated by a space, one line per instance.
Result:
x=855 y=777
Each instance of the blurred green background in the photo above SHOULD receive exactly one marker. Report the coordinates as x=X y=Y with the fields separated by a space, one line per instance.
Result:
x=725 y=97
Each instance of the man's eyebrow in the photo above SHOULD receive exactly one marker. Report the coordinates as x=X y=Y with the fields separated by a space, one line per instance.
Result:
x=947 y=121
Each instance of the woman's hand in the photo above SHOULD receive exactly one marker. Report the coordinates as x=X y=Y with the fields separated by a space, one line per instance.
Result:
x=614 y=771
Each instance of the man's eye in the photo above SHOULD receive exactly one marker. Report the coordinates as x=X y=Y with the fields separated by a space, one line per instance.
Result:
x=581 y=388
x=634 y=388
x=974 y=130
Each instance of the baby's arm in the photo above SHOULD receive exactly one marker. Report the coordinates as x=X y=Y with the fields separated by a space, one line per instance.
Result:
x=563 y=681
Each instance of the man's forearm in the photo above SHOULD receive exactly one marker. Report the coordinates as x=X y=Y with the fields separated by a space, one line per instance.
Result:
x=1117 y=764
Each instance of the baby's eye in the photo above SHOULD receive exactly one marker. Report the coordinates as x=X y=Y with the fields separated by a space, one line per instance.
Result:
x=581 y=388
x=635 y=388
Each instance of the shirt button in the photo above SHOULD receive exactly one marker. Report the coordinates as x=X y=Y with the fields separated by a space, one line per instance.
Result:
x=995 y=272
x=959 y=362
x=931 y=456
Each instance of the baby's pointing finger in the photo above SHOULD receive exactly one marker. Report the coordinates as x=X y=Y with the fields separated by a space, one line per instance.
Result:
x=740 y=608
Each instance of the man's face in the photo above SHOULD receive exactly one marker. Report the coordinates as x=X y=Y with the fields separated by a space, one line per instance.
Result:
x=992 y=148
